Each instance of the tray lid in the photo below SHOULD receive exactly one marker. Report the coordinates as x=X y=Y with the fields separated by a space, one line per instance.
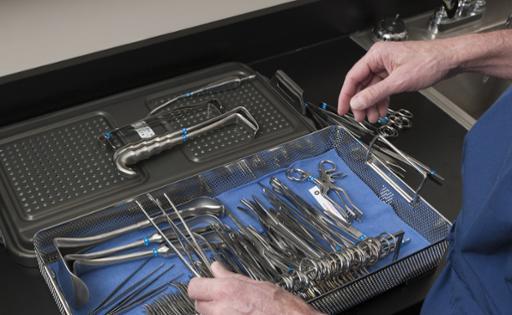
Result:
x=54 y=169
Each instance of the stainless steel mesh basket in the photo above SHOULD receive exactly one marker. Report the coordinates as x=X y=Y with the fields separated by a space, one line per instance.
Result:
x=416 y=212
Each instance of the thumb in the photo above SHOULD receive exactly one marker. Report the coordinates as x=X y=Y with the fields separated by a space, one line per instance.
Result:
x=373 y=94
x=219 y=271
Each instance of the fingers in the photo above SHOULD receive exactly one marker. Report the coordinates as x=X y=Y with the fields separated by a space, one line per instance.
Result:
x=360 y=73
x=209 y=289
x=372 y=114
x=382 y=107
x=359 y=115
x=359 y=76
x=214 y=308
x=199 y=289
x=350 y=88
x=219 y=271
x=369 y=84
x=230 y=295
x=376 y=93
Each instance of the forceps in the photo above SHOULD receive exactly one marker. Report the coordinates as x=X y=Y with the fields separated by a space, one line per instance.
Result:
x=325 y=183
x=395 y=121
x=391 y=124
x=328 y=176
x=401 y=113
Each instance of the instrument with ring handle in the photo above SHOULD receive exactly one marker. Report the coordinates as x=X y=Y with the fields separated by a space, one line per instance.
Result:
x=347 y=210
x=328 y=176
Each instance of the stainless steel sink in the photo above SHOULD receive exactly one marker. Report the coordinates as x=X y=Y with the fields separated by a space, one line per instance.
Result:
x=472 y=93
x=467 y=96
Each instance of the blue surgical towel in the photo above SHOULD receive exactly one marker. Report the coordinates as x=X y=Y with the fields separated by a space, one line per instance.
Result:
x=378 y=217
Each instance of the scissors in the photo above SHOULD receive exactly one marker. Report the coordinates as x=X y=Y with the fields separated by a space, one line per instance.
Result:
x=395 y=121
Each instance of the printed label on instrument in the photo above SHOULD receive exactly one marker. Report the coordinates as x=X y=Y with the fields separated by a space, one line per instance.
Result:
x=143 y=130
x=322 y=201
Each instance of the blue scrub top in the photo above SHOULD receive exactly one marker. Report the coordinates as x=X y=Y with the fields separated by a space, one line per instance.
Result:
x=478 y=276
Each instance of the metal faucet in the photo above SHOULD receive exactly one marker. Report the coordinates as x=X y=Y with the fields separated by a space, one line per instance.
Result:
x=454 y=13
x=508 y=23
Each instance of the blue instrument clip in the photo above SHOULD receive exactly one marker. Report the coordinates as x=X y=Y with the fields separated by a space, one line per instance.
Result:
x=184 y=134
x=107 y=135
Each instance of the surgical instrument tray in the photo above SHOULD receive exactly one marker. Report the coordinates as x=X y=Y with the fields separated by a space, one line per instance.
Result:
x=383 y=183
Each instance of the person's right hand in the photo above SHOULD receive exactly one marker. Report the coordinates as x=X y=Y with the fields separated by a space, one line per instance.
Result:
x=393 y=67
x=231 y=293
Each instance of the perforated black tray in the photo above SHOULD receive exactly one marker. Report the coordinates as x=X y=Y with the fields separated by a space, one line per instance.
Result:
x=54 y=169
x=270 y=120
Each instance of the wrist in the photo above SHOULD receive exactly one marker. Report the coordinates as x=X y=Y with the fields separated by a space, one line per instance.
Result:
x=482 y=52
x=460 y=53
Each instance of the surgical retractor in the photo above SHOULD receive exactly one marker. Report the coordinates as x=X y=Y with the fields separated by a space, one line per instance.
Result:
x=133 y=153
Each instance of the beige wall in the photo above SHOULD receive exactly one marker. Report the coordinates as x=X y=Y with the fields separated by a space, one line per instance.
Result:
x=39 y=32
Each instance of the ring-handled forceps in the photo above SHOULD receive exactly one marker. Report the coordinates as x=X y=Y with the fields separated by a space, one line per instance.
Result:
x=328 y=176
x=388 y=131
x=395 y=121
x=401 y=113
x=342 y=213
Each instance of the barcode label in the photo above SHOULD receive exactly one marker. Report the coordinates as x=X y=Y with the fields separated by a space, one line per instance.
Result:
x=322 y=201
x=143 y=130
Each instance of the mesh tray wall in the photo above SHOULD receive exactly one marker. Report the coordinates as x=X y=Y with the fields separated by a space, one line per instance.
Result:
x=420 y=215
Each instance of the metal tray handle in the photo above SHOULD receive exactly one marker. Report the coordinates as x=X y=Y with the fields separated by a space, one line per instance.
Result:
x=423 y=170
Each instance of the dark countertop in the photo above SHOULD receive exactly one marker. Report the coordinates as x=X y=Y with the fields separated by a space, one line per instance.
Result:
x=435 y=139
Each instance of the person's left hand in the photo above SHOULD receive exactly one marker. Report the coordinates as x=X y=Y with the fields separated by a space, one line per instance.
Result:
x=231 y=293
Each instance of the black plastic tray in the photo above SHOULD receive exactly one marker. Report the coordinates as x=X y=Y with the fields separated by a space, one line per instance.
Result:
x=54 y=169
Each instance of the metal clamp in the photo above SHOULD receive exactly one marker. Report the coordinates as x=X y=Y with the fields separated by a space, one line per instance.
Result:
x=419 y=169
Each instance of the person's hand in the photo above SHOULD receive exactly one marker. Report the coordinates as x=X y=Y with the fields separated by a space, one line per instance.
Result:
x=230 y=293
x=393 y=67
